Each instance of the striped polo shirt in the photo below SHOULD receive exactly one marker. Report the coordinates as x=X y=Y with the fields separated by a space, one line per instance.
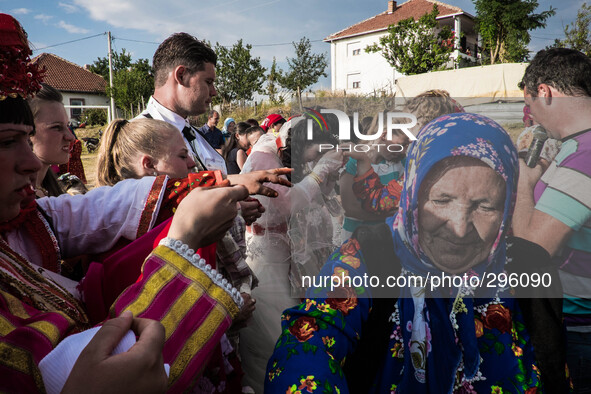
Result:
x=564 y=192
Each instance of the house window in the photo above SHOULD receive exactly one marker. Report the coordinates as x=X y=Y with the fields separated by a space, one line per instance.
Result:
x=76 y=112
x=354 y=80
x=354 y=48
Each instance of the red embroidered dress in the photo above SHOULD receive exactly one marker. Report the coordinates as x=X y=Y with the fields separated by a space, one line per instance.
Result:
x=37 y=312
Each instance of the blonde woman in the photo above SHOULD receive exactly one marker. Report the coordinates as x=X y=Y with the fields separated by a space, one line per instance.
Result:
x=141 y=148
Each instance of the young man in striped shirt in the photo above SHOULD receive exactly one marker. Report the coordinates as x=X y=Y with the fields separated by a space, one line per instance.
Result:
x=553 y=208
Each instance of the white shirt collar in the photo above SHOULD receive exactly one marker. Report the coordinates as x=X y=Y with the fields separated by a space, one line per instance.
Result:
x=159 y=111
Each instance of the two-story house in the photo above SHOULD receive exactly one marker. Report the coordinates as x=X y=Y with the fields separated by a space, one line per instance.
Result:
x=355 y=71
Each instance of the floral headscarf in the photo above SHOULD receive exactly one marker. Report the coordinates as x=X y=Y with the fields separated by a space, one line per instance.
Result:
x=436 y=356
x=460 y=134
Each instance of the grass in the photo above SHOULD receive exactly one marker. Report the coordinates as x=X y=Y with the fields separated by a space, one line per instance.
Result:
x=89 y=159
x=89 y=164
x=89 y=131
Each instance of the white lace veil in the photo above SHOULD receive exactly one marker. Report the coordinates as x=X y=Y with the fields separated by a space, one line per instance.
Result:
x=300 y=209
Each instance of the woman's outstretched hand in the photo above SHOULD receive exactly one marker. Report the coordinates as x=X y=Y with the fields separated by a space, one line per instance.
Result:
x=254 y=180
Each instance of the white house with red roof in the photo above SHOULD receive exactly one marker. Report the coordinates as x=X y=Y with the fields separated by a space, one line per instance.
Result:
x=79 y=86
x=355 y=71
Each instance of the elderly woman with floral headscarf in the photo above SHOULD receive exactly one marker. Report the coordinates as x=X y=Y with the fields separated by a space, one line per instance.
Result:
x=425 y=336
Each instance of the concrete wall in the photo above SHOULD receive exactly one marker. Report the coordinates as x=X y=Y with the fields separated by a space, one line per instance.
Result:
x=500 y=112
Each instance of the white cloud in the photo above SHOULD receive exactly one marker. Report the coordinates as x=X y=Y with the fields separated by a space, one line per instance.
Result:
x=69 y=8
x=256 y=21
x=151 y=16
x=71 y=28
x=225 y=21
x=43 y=17
x=20 y=11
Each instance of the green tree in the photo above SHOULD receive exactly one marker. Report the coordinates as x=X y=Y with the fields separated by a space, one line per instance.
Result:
x=121 y=61
x=305 y=69
x=578 y=34
x=132 y=81
x=504 y=26
x=274 y=89
x=239 y=75
x=415 y=47
x=132 y=86
x=94 y=116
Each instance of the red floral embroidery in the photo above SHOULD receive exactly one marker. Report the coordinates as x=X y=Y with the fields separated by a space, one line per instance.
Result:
x=304 y=328
x=176 y=190
x=351 y=247
x=499 y=317
x=343 y=299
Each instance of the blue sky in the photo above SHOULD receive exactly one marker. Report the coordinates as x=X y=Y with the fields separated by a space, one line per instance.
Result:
x=269 y=25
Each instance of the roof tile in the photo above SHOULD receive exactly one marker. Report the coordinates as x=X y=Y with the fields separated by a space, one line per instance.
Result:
x=411 y=8
x=67 y=76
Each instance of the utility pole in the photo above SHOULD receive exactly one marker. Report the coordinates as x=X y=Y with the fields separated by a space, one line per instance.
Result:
x=113 y=113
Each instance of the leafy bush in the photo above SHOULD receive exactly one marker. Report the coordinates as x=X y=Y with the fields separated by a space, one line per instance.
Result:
x=94 y=116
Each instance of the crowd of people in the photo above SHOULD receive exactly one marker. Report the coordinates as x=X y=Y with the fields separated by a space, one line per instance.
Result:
x=185 y=268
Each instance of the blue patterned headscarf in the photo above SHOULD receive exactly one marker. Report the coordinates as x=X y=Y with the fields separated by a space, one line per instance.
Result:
x=460 y=134
x=225 y=131
x=439 y=354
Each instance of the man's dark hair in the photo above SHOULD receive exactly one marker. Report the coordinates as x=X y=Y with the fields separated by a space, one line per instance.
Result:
x=249 y=130
x=566 y=70
x=212 y=113
x=252 y=122
x=242 y=127
x=180 y=49
x=280 y=121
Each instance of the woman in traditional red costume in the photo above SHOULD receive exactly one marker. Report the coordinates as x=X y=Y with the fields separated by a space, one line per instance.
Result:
x=40 y=309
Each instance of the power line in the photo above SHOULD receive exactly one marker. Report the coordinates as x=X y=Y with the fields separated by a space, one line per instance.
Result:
x=69 y=42
x=226 y=46
x=129 y=39
x=543 y=38
x=283 y=43
x=152 y=42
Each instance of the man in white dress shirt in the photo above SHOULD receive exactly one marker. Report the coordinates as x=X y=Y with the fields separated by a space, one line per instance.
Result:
x=184 y=73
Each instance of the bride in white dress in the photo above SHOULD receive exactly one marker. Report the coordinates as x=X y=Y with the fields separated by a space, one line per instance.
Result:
x=292 y=238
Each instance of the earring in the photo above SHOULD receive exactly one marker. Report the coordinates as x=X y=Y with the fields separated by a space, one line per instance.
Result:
x=155 y=173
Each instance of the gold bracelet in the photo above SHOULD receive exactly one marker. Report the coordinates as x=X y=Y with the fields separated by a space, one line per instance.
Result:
x=316 y=177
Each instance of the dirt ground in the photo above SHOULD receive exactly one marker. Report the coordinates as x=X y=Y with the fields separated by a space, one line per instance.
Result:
x=89 y=164
x=89 y=159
